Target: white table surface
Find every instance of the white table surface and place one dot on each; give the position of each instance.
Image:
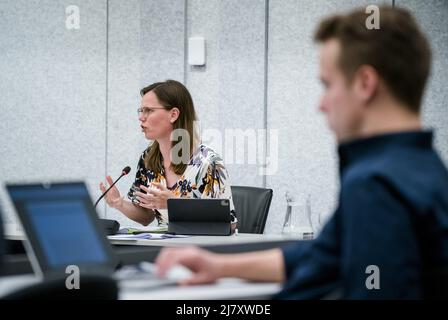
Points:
(205, 240)
(192, 240)
(228, 288)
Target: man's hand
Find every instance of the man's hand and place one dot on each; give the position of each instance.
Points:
(205, 265)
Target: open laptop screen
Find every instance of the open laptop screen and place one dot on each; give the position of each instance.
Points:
(65, 232)
(61, 225)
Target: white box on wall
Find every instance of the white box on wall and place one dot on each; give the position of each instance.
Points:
(196, 51)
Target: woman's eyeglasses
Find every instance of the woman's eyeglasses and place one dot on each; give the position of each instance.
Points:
(146, 111)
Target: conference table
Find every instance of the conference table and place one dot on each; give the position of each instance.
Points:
(18, 272)
(223, 289)
(241, 238)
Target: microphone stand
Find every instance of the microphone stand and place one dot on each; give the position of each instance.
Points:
(111, 226)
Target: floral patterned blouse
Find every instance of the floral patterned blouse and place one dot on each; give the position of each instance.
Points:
(204, 177)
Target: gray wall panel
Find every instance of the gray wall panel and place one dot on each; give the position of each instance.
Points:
(124, 141)
(162, 40)
(53, 92)
(146, 44)
(229, 91)
(307, 158)
(432, 16)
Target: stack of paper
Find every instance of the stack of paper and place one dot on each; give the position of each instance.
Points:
(147, 235)
(146, 230)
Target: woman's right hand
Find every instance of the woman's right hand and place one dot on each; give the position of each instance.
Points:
(113, 197)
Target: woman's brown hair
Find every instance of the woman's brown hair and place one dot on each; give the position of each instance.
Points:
(172, 94)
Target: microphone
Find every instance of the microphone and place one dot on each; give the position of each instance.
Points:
(124, 172)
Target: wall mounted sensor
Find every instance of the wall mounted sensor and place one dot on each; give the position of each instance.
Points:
(196, 51)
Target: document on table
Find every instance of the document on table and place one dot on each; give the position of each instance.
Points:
(147, 236)
(144, 230)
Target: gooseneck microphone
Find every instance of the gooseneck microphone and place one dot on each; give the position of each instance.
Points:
(124, 172)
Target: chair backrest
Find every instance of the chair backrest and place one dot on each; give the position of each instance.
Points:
(91, 287)
(251, 208)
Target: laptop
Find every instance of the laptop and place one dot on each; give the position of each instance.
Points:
(62, 228)
(199, 216)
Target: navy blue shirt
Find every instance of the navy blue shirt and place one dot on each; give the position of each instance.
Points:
(392, 213)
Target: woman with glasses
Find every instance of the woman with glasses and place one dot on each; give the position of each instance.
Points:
(175, 164)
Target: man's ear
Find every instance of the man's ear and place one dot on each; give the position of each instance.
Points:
(174, 114)
(366, 83)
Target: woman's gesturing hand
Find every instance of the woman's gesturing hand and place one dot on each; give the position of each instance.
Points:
(113, 197)
(155, 198)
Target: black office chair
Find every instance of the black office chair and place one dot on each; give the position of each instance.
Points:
(251, 208)
(91, 287)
